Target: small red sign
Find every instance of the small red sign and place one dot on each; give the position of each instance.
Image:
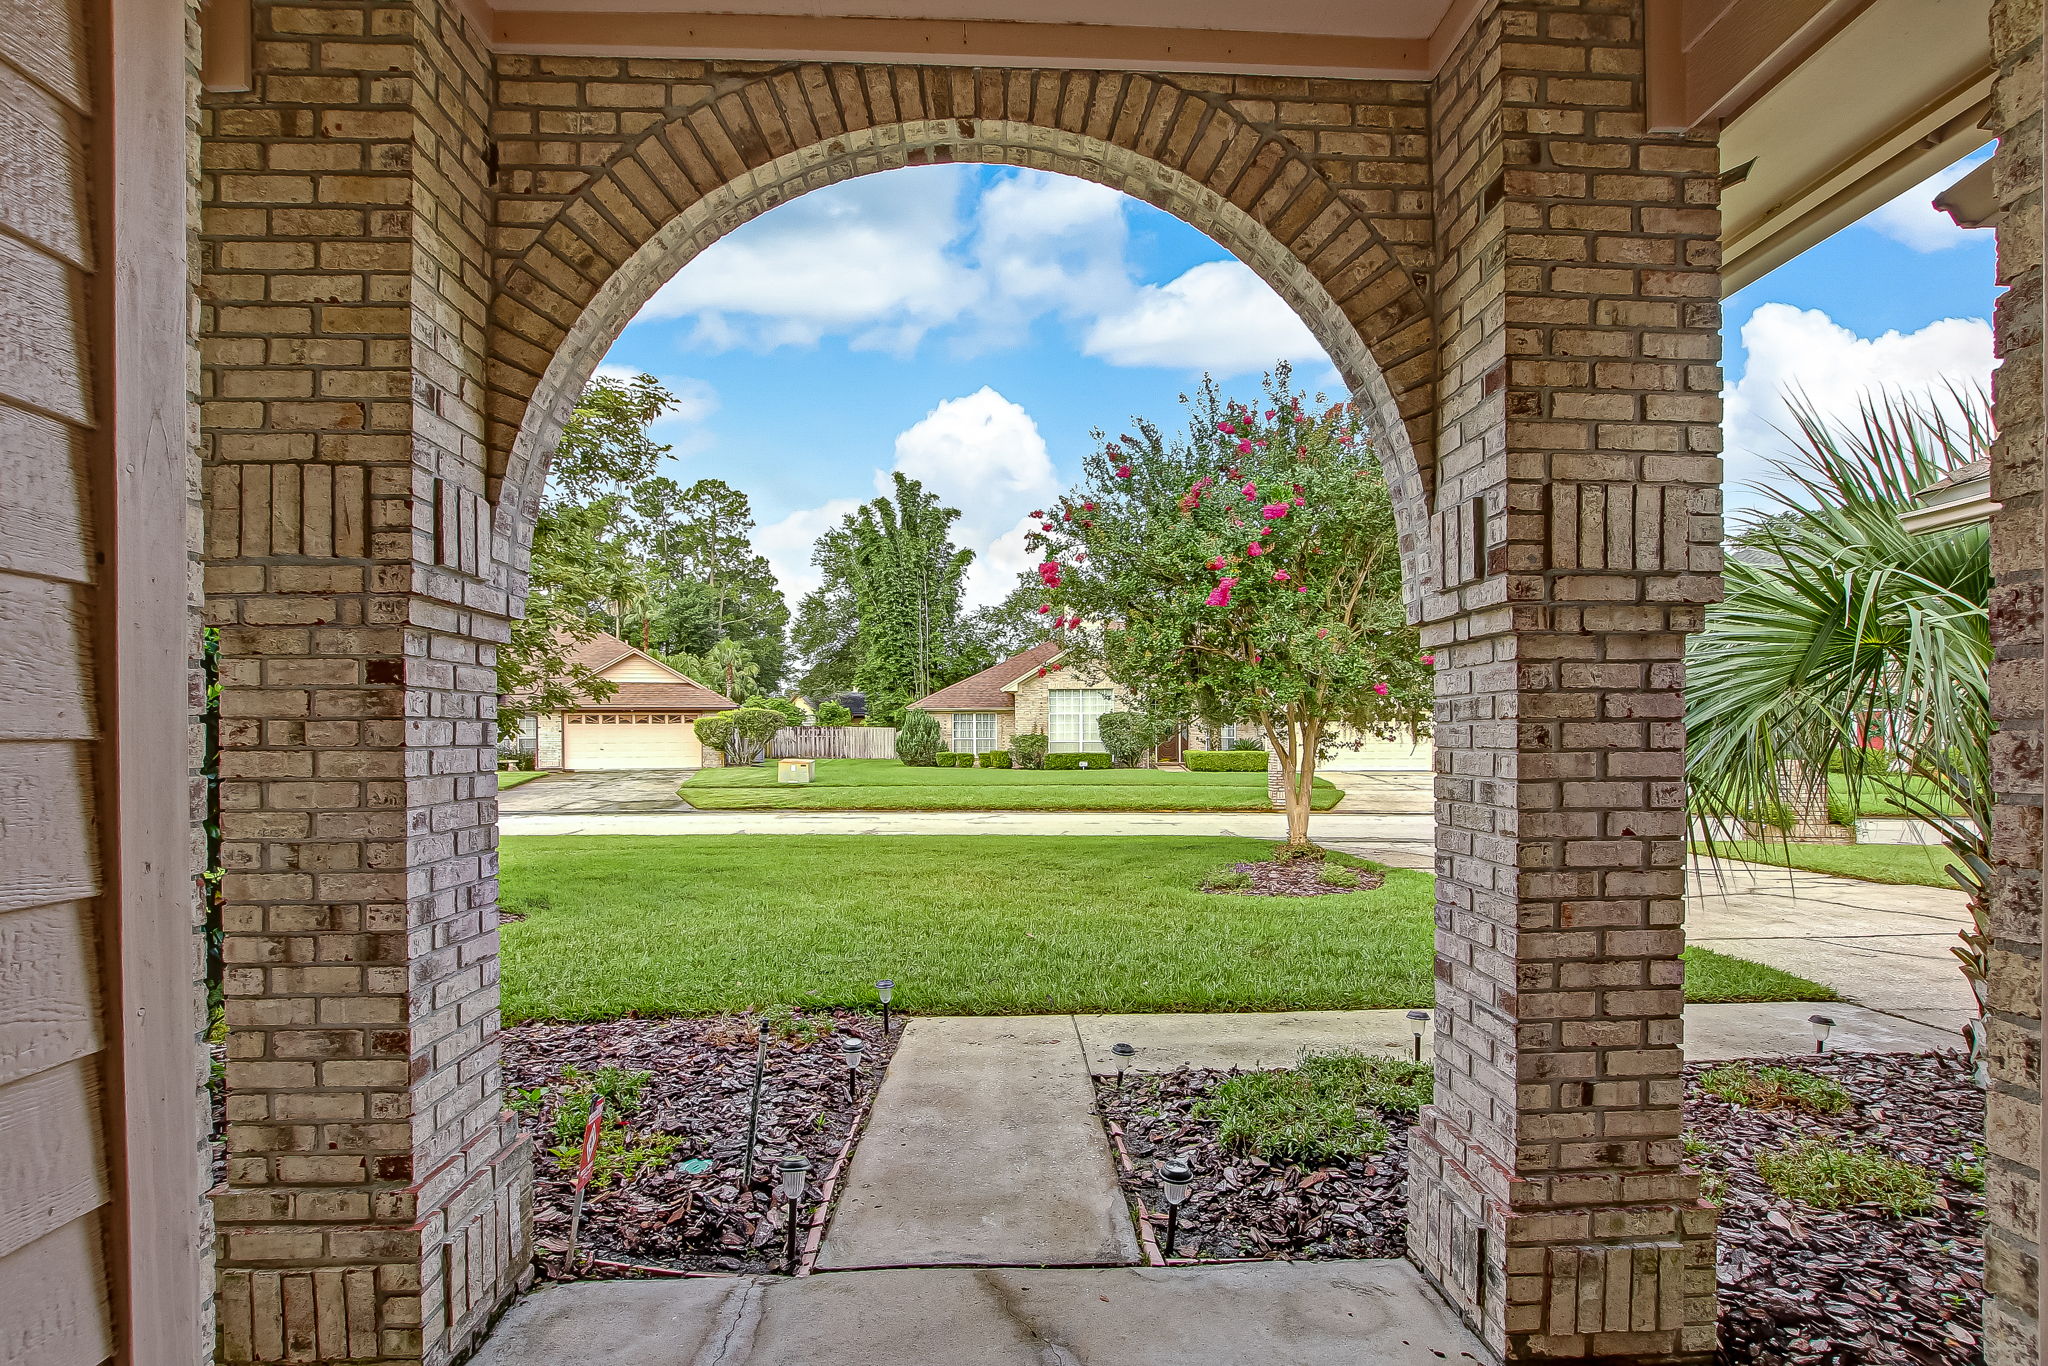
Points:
(588, 1163)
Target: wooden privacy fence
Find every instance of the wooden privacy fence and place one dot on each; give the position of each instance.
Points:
(835, 742)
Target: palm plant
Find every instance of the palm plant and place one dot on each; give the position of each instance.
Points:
(1839, 623)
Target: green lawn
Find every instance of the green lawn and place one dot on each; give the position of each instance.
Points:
(965, 924)
(1911, 865)
(508, 781)
(1878, 797)
(891, 785)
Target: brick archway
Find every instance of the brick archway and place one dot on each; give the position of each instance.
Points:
(572, 270)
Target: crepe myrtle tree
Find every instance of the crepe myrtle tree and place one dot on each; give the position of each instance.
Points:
(1246, 572)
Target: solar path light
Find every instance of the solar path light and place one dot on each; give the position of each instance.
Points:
(852, 1049)
(1417, 1020)
(1821, 1025)
(1123, 1053)
(790, 1174)
(885, 989)
(1176, 1179)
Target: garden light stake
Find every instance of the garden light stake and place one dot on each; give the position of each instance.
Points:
(1123, 1053)
(1416, 1020)
(1821, 1025)
(754, 1106)
(851, 1048)
(790, 1174)
(885, 989)
(1175, 1178)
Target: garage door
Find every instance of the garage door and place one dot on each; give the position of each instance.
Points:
(629, 739)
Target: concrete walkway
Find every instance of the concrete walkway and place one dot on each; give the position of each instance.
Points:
(1282, 1313)
(983, 1150)
(1881, 946)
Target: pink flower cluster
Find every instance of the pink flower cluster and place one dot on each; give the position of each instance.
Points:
(1220, 595)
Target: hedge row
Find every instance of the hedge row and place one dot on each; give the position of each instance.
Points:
(1225, 760)
(994, 758)
(1093, 761)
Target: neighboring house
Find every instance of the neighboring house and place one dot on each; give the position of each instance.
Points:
(1037, 692)
(645, 723)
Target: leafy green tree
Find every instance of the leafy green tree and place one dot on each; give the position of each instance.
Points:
(918, 739)
(583, 563)
(834, 714)
(1129, 736)
(705, 581)
(887, 618)
(791, 713)
(1248, 572)
(1842, 625)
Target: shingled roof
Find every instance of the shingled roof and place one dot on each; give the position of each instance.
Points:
(984, 691)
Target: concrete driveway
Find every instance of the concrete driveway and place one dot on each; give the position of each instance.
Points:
(597, 792)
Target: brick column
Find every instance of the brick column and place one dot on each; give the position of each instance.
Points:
(1575, 528)
(376, 1201)
(2013, 1103)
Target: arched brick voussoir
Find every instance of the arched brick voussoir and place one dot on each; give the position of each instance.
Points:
(760, 136)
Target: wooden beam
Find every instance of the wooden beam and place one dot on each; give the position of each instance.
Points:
(789, 37)
(1736, 49)
(141, 459)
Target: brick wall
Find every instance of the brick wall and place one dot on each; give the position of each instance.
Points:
(2013, 1168)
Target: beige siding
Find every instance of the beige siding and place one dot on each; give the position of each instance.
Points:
(54, 1176)
(638, 669)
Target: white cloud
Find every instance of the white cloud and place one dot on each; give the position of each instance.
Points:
(1912, 218)
(1217, 316)
(869, 258)
(984, 455)
(787, 544)
(1804, 350)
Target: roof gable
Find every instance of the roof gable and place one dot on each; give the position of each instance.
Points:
(989, 690)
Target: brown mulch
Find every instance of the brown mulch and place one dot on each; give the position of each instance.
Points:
(1799, 1286)
(1807, 1287)
(1245, 1206)
(703, 1071)
(1293, 877)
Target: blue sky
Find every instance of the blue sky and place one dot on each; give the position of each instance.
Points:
(969, 325)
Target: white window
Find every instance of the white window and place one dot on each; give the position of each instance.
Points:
(974, 732)
(1071, 714)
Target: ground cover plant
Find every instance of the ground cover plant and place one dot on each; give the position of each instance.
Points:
(1910, 865)
(964, 924)
(890, 785)
(1853, 1236)
(667, 1190)
(1849, 1238)
(1309, 1161)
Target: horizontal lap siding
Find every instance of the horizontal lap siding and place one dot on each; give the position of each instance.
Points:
(54, 1181)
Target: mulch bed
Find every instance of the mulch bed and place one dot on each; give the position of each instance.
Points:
(1244, 1206)
(703, 1074)
(1806, 1287)
(1799, 1286)
(1293, 877)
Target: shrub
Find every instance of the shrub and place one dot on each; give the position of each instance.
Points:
(1244, 745)
(834, 714)
(1225, 761)
(1129, 736)
(1775, 1088)
(944, 758)
(752, 729)
(1028, 751)
(714, 731)
(1337, 875)
(1094, 760)
(1323, 1108)
(1825, 1175)
(918, 739)
(996, 758)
